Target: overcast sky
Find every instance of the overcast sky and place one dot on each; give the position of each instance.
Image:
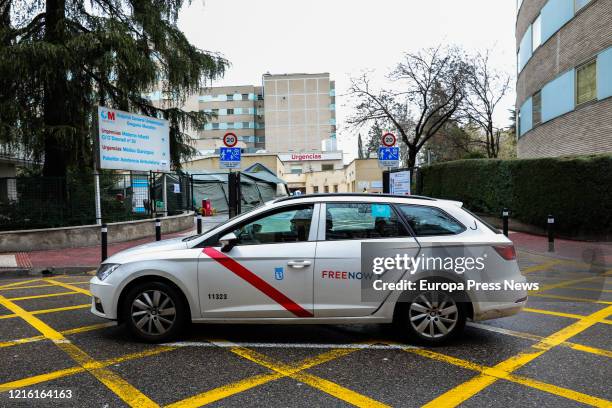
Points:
(345, 37)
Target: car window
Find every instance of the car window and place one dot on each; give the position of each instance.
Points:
(426, 221)
(285, 225)
(362, 220)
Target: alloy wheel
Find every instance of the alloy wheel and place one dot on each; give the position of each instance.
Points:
(153, 312)
(433, 314)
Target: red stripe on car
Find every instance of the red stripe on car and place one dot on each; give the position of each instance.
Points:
(257, 282)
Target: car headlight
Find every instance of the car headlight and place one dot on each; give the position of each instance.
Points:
(105, 270)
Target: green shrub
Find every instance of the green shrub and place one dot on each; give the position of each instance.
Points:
(577, 190)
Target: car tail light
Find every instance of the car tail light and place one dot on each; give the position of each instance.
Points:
(506, 251)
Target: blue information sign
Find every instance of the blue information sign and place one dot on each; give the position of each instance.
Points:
(388, 156)
(229, 157)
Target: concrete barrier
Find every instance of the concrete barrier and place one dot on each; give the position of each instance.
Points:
(89, 235)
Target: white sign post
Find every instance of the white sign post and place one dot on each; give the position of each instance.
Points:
(399, 182)
(128, 141)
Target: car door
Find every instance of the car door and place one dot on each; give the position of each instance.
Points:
(339, 279)
(268, 273)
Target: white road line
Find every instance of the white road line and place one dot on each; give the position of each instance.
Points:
(229, 344)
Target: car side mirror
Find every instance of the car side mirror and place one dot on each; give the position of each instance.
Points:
(228, 241)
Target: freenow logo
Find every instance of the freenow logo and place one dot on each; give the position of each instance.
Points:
(106, 115)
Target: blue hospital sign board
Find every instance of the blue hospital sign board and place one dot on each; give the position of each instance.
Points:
(128, 141)
(388, 156)
(229, 157)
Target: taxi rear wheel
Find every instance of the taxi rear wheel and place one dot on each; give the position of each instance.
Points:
(154, 312)
(432, 317)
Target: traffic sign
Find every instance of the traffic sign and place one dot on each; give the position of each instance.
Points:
(388, 139)
(388, 156)
(230, 139)
(229, 157)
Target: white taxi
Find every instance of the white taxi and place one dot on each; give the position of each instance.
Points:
(302, 259)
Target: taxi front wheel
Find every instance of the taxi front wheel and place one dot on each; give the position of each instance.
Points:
(154, 312)
(432, 317)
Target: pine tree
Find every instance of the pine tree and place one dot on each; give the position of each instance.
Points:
(360, 152)
(59, 59)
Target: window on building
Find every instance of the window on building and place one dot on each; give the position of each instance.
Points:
(362, 220)
(326, 189)
(230, 111)
(536, 33)
(260, 97)
(586, 82)
(334, 188)
(578, 4)
(215, 126)
(315, 189)
(215, 111)
(230, 125)
(245, 97)
(230, 97)
(518, 124)
(327, 167)
(245, 125)
(536, 108)
(296, 169)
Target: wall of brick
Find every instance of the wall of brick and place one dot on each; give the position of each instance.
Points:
(588, 33)
(586, 130)
(528, 12)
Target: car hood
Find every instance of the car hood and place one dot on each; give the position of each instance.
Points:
(164, 245)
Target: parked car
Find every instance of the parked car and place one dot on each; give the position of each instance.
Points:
(299, 260)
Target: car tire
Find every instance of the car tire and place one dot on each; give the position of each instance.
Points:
(154, 312)
(432, 317)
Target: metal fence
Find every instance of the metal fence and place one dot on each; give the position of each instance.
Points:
(47, 202)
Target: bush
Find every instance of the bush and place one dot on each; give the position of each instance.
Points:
(577, 190)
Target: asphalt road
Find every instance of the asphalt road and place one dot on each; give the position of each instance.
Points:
(54, 352)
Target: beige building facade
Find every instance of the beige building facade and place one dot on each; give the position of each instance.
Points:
(358, 176)
(288, 113)
(299, 111)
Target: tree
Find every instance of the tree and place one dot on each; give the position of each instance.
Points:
(59, 59)
(360, 151)
(429, 91)
(485, 89)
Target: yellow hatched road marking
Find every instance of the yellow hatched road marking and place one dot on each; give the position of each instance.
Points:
(571, 282)
(471, 387)
(113, 381)
(47, 295)
(46, 285)
(561, 314)
(535, 337)
(541, 267)
(69, 286)
(45, 311)
(590, 289)
(54, 375)
(573, 299)
(251, 382)
(10, 285)
(64, 332)
(501, 374)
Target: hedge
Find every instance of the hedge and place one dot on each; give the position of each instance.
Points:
(577, 190)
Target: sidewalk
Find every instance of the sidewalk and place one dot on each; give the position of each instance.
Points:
(599, 253)
(85, 258)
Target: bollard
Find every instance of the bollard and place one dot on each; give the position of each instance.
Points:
(157, 229)
(104, 242)
(199, 223)
(551, 233)
(505, 214)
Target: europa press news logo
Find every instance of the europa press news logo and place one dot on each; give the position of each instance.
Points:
(107, 115)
